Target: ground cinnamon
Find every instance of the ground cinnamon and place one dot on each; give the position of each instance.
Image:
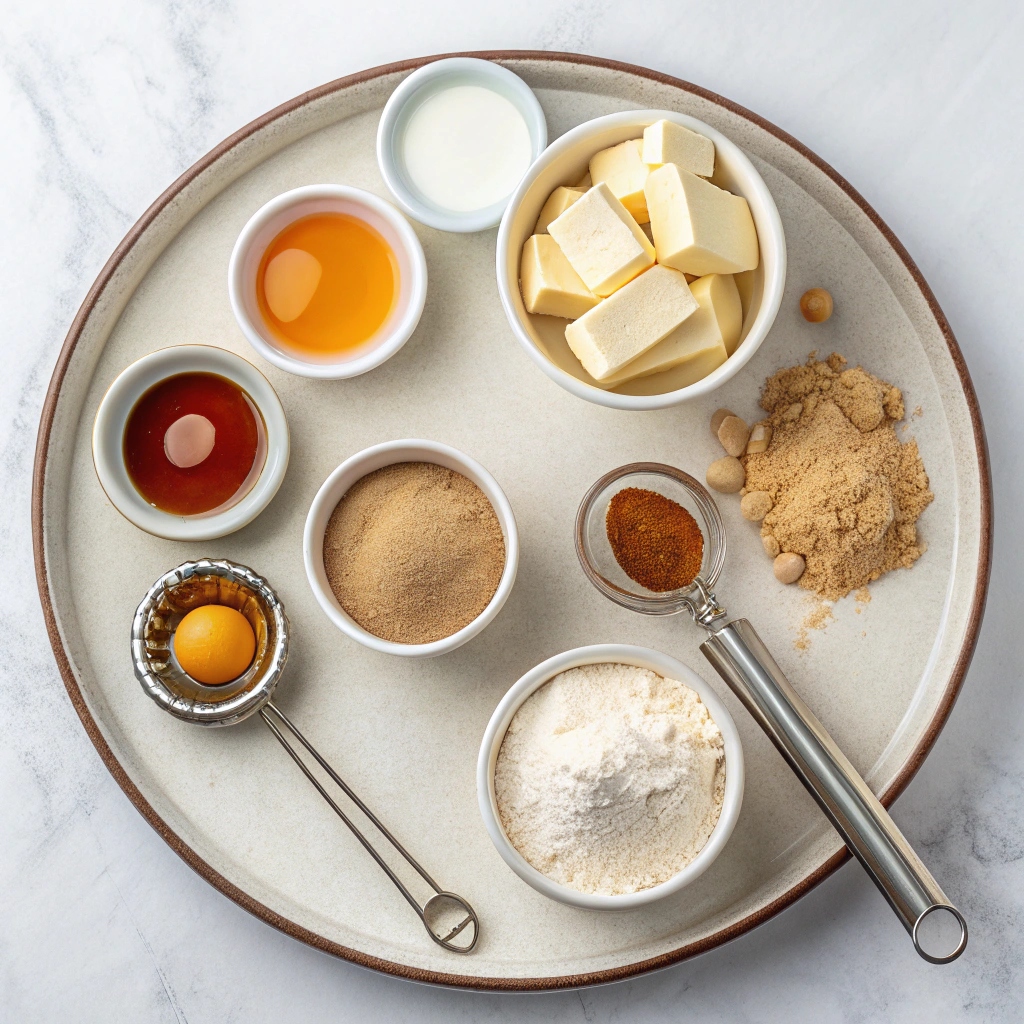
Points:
(656, 542)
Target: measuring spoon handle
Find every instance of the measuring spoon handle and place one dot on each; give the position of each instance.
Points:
(742, 660)
(446, 915)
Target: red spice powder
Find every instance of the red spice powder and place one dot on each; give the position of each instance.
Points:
(654, 539)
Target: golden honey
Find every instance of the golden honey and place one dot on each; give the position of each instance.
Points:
(326, 285)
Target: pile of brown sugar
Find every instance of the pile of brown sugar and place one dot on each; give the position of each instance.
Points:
(844, 491)
(414, 552)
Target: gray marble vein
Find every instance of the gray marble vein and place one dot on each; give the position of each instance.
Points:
(104, 104)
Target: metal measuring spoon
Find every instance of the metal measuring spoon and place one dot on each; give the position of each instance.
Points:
(450, 921)
(938, 929)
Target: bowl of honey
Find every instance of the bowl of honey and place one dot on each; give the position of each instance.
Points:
(327, 281)
(190, 443)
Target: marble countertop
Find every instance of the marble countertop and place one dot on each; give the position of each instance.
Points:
(104, 104)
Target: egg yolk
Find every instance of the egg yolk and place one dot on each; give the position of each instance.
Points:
(214, 644)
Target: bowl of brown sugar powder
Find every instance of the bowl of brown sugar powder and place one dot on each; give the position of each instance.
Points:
(411, 548)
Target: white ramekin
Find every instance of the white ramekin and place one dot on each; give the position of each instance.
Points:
(355, 468)
(565, 161)
(270, 220)
(108, 441)
(622, 654)
(419, 86)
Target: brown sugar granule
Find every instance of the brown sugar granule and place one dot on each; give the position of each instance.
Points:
(818, 617)
(414, 552)
(846, 493)
(657, 543)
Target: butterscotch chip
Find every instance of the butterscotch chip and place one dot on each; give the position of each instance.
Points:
(760, 438)
(755, 505)
(788, 567)
(816, 305)
(770, 545)
(733, 434)
(716, 420)
(726, 475)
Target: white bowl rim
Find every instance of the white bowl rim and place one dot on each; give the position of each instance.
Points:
(627, 654)
(771, 296)
(112, 415)
(406, 450)
(384, 348)
(485, 71)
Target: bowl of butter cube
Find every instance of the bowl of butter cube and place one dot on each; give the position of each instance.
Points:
(641, 261)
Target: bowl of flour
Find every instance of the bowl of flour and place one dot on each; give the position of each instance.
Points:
(610, 776)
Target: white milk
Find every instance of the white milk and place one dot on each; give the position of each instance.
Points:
(466, 148)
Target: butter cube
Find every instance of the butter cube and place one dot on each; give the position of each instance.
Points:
(623, 170)
(711, 334)
(585, 182)
(698, 227)
(631, 321)
(693, 370)
(549, 284)
(666, 142)
(558, 202)
(745, 286)
(605, 246)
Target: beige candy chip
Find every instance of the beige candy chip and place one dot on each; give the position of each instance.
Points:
(726, 475)
(549, 284)
(698, 227)
(707, 338)
(623, 170)
(557, 203)
(601, 241)
(631, 321)
(666, 142)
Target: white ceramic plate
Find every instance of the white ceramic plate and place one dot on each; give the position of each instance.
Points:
(405, 733)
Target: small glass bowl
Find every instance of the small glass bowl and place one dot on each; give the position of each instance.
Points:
(595, 552)
(168, 601)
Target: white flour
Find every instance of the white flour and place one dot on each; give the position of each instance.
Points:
(610, 778)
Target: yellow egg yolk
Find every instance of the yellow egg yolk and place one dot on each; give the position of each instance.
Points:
(214, 644)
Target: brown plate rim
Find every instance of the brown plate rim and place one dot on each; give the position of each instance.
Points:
(311, 938)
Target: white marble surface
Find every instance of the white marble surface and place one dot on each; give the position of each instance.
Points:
(104, 104)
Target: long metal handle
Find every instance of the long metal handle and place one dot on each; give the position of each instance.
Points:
(445, 915)
(938, 929)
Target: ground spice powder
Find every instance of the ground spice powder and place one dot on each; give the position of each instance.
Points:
(414, 552)
(845, 492)
(656, 542)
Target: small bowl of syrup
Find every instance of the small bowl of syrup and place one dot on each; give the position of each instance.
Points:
(190, 443)
(327, 281)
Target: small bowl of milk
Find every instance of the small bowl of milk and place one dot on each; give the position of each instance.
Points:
(455, 139)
